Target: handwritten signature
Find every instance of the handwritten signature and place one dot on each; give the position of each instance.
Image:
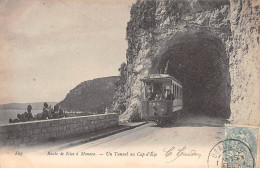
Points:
(174, 153)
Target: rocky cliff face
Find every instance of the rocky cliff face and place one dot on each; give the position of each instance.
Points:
(91, 96)
(200, 42)
(244, 59)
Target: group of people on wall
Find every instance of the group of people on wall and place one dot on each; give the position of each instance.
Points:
(47, 113)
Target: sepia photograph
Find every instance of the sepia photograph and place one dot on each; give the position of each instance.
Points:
(129, 84)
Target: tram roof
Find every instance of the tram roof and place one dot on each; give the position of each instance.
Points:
(154, 77)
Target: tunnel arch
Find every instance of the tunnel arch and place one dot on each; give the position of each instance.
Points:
(200, 62)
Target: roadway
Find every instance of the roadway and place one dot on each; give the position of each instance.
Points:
(184, 143)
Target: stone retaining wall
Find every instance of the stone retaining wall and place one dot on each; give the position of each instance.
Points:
(46, 130)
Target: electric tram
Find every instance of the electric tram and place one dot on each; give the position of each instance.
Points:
(161, 98)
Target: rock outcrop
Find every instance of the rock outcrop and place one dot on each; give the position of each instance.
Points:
(208, 46)
(91, 96)
(244, 61)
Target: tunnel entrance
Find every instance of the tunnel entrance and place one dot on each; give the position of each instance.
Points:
(199, 61)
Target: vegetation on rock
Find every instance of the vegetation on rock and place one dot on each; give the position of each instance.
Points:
(119, 104)
(91, 96)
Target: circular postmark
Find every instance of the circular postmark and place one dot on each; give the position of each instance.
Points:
(231, 153)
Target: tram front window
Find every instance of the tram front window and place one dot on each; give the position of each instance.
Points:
(158, 91)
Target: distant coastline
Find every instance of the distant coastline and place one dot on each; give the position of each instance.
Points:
(5, 115)
(23, 106)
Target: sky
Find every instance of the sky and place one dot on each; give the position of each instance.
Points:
(47, 47)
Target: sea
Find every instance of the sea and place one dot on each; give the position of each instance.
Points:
(5, 115)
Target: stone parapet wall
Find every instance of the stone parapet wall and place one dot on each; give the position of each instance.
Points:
(46, 130)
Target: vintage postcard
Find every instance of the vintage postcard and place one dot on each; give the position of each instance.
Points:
(129, 83)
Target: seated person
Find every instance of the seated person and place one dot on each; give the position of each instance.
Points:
(150, 94)
(39, 116)
(28, 115)
(158, 97)
(55, 112)
(45, 111)
(14, 120)
(61, 113)
(168, 95)
(21, 117)
(58, 112)
(50, 110)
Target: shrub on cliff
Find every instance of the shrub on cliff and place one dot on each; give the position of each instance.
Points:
(119, 103)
